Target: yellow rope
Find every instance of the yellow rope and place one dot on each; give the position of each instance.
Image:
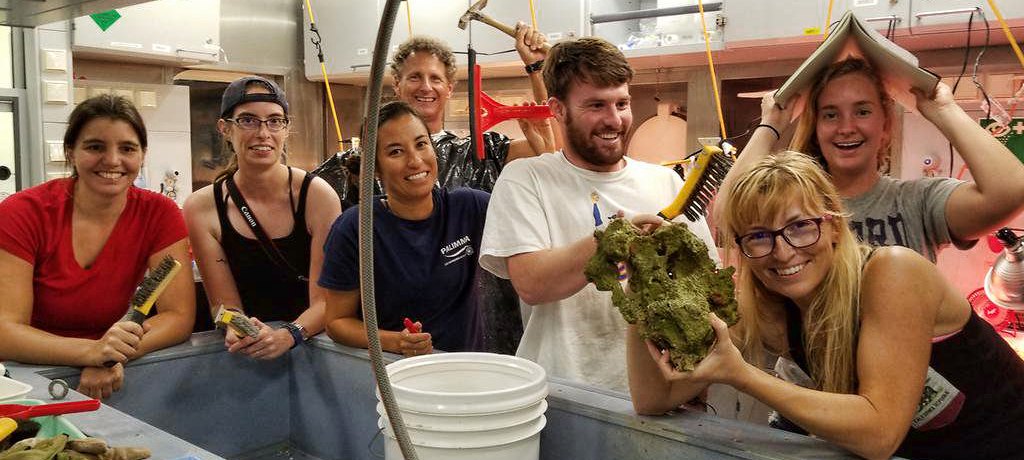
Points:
(711, 66)
(828, 19)
(533, 15)
(1006, 29)
(327, 86)
(408, 16)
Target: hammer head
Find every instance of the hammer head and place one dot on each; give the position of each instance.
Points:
(471, 13)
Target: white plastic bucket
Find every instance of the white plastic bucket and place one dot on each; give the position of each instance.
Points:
(468, 406)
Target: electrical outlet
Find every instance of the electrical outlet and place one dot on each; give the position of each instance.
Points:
(55, 92)
(146, 99)
(126, 93)
(81, 94)
(55, 60)
(55, 151)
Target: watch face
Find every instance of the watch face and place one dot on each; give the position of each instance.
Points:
(298, 327)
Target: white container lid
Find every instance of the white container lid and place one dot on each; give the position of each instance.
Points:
(10, 388)
(466, 383)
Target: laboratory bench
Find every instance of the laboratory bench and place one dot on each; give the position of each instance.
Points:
(318, 402)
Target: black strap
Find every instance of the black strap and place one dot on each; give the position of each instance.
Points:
(794, 331)
(268, 246)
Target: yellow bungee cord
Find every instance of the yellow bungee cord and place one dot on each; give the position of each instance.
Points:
(828, 20)
(1006, 30)
(408, 16)
(323, 69)
(711, 67)
(533, 16)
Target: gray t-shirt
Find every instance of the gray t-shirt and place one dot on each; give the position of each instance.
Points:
(910, 213)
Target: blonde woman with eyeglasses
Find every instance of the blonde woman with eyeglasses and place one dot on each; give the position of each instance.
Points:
(258, 232)
(890, 357)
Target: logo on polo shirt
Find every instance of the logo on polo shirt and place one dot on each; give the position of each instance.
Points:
(456, 250)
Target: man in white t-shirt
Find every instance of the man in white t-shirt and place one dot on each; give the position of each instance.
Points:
(543, 212)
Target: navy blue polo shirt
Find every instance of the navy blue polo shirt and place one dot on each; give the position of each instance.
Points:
(424, 270)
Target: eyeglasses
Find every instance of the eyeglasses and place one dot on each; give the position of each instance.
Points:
(252, 123)
(799, 234)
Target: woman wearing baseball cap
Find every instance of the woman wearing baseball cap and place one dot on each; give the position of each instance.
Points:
(258, 231)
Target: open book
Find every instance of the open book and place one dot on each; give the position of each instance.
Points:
(852, 37)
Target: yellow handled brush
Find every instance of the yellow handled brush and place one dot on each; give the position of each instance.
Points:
(152, 285)
(240, 324)
(701, 184)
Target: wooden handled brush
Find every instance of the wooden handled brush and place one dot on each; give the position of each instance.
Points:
(152, 285)
(701, 184)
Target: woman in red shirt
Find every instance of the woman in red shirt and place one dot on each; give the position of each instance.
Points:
(73, 250)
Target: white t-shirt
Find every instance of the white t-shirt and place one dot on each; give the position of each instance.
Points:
(545, 202)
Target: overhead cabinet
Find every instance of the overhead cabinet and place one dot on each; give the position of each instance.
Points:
(348, 30)
(179, 31)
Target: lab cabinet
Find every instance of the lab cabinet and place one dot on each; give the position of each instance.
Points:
(557, 19)
(348, 29)
(772, 20)
(651, 27)
(180, 31)
(954, 14)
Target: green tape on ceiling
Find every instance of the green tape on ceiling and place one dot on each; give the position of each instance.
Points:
(105, 19)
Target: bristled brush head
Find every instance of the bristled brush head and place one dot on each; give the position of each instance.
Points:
(708, 181)
(153, 284)
(240, 324)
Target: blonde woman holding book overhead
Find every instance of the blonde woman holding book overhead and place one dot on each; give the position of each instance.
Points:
(847, 124)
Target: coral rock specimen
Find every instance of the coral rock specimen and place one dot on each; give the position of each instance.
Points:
(673, 284)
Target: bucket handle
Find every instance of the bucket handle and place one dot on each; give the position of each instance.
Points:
(369, 446)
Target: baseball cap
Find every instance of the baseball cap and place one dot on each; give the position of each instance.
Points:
(235, 94)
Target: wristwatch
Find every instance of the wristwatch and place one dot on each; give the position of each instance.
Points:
(535, 67)
(298, 333)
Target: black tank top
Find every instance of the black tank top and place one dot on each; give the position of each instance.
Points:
(990, 375)
(268, 291)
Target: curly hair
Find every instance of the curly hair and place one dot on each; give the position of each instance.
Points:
(588, 59)
(431, 45)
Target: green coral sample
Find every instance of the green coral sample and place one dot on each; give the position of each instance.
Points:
(673, 284)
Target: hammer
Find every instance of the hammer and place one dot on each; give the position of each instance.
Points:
(474, 13)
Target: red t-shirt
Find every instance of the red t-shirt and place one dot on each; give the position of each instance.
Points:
(68, 300)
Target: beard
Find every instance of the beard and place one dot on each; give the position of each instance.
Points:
(582, 143)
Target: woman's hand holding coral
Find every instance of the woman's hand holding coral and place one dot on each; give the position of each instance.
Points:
(721, 365)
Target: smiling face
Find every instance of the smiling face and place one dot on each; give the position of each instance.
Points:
(259, 146)
(851, 126)
(424, 84)
(107, 156)
(596, 122)
(406, 162)
(793, 272)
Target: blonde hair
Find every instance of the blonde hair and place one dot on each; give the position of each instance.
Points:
(805, 137)
(831, 323)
